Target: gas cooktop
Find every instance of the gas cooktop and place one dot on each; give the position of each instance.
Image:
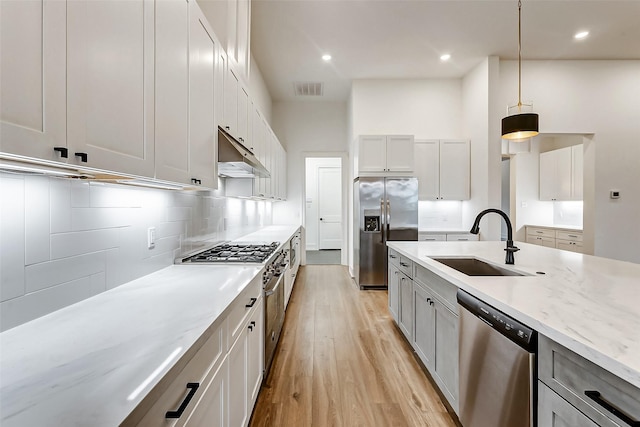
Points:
(251, 253)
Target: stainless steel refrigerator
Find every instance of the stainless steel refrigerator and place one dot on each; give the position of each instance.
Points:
(384, 209)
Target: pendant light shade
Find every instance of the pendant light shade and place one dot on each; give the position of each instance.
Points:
(520, 125)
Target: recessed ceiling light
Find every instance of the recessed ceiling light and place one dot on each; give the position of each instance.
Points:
(326, 57)
(445, 57)
(581, 35)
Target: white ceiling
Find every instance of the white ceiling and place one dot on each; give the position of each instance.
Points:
(404, 39)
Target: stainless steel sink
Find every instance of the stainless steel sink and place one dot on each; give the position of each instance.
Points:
(475, 267)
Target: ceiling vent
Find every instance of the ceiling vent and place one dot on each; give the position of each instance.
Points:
(308, 88)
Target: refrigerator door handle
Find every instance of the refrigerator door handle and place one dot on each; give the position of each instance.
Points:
(382, 218)
(388, 218)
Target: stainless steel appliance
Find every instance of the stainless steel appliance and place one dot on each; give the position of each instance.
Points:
(275, 265)
(273, 285)
(385, 209)
(497, 376)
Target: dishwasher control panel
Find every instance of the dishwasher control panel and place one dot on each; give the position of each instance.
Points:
(517, 332)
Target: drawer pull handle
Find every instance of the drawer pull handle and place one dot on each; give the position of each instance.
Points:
(597, 397)
(64, 152)
(572, 235)
(83, 157)
(404, 264)
(251, 303)
(192, 390)
(393, 256)
(251, 325)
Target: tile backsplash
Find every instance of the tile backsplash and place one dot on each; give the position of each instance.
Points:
(65, 240)
(440, 215)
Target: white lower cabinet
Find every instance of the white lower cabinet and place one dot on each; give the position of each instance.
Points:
(219, 384)
(393, 289)
(406, 306)
(424, 333)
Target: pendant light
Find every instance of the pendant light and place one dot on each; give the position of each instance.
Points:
(520, 125)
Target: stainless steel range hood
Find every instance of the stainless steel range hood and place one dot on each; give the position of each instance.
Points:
(237, 161)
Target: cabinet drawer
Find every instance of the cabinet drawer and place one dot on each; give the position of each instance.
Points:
(587, 386)
(394, 257)
(541, 232)
(462, 237)
(205, 360)
(432, 237)
(442, 289)
(406, 266)
(541, 241)
(574, 236)
(554, 411)
(568, 245)
(242, 306)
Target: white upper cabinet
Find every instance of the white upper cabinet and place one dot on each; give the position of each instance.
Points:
(33, 78)
(243, 117)
(561, 174)
(239, 36)
(186, 90)
(172, 90)
(203, 156)
(443, 169)
(110, 85)
(236, 108)
(385, 153)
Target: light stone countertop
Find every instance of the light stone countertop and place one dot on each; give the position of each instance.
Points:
(556, 227)
(80, 365)
(442, 231)
(587, 304)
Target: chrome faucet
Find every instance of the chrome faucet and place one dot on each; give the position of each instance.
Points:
(510, 249)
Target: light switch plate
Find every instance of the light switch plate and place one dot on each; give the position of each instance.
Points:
(151, 237)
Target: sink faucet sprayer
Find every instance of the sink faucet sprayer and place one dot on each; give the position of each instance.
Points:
(475, 229)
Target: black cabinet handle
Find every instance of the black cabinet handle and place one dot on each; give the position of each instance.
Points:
(404, 264)
(83, 157)
(431, 302)
(428, 299)
(251, 325)
(196, 181)
(64, 152)
(192, 390)
(393, 256)
(597, 397)
(227, 127)
(252, 301)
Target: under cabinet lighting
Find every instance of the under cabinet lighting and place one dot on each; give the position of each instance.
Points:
(23, 168)
(445, 57)
(326, 57)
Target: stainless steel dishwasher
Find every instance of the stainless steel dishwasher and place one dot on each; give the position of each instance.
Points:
(497, 367)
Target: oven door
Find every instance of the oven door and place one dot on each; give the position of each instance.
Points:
(274, 318)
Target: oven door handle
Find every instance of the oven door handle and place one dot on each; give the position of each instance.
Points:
(273, 290)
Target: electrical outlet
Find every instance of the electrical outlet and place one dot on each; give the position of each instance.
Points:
(151, 237)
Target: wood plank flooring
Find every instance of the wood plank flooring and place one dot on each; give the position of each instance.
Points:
(342, 362)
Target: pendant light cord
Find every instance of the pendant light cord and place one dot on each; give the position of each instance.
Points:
(519, 57)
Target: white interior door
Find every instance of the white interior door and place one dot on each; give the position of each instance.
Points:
(329, 208)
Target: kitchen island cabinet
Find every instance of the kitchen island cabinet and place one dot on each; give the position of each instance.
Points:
(582, 305)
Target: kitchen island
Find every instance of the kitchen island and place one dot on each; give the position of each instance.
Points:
(586, 304)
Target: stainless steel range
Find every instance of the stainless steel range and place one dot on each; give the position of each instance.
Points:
(275, 264)
(250, 253)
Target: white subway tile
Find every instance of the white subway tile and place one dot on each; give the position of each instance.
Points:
(114, 268)
(114, 196)
(80, 194)
(36, 219)
(60, 199)
(65, 245)
(11, 236)
(83, 219)
(31, 306)
(180, 214)
(166, 229)
(52, 273)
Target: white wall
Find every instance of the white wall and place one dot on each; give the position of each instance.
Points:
(427, 108)
(64, 240)
(598, 97)
(482, 127)
(308, 128)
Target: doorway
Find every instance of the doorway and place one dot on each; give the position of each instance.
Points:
(323, 210)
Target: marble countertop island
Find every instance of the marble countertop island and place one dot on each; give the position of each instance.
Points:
(585, 303)
(92, 363)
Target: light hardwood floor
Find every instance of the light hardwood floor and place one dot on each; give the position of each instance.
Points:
(342, 362)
